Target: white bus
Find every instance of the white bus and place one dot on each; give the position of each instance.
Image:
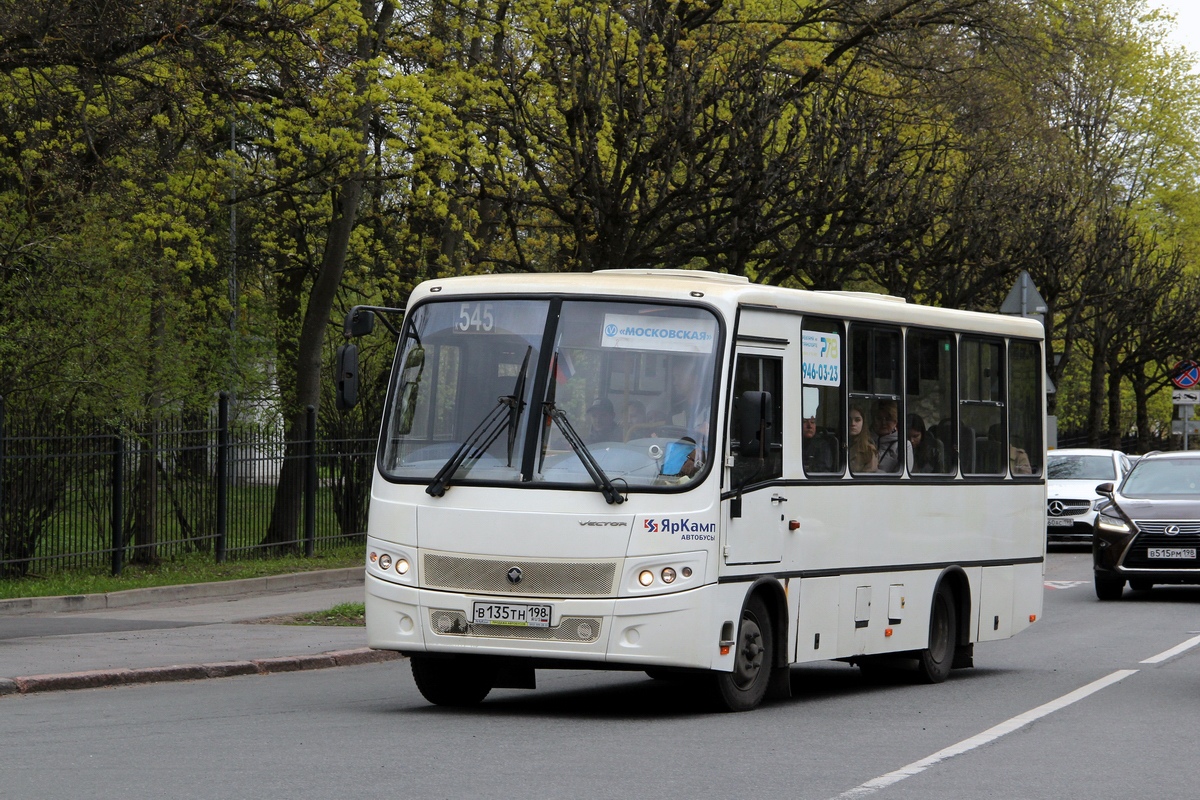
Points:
(685, 473)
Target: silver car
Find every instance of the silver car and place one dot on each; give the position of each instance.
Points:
(1071, 478)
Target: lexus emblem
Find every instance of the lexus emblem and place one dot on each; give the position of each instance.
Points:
(1057, 507)
(514, 575)
(1171, 530)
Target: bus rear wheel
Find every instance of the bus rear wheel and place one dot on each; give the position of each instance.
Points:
(754, 654)
(453, 681)
(935, 661)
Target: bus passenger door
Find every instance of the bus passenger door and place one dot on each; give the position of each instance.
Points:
(756, 512)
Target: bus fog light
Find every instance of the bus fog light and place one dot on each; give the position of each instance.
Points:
(687, 572)
(374, 557)
(385, 561)
(668, 575)
(646, 577)
(402, 566)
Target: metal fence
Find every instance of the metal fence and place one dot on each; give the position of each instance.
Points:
(75, 494)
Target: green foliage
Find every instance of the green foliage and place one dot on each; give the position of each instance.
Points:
(346, 615)
(191, 195)
(192, 568)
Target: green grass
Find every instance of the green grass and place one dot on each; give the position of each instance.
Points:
(345, 615)
(190, 568)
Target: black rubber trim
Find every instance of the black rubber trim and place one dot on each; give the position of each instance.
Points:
(893, 480)
(929, 567)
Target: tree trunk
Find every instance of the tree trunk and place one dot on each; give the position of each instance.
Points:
(1114, 403)
(283, 532)
(1097, 386)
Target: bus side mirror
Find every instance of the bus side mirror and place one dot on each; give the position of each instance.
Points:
(347, 377)
(359, 322)
(754, 419)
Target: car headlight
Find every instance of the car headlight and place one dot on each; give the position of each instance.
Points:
(1109, 521)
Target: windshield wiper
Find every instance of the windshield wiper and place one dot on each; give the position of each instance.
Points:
(516, 405)
(485, 432)
(611, 495)
(505, 414)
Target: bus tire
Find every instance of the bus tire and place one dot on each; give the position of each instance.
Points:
(754, 653)
(935, 661)
(1108, 587)
(455, 682)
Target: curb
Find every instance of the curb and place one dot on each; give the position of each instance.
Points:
(191, 591)
(93, 679)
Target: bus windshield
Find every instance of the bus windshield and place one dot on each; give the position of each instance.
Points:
(550, 391)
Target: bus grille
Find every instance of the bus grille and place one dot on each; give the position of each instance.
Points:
(540, 578)
(569, 629)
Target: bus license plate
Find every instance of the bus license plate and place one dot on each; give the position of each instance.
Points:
(1059, 522)
(518, 614)
(1172, 552)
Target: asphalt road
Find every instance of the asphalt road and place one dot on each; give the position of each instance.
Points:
(1090, 702)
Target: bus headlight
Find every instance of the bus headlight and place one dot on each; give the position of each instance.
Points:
(396, 566)
(669, 572)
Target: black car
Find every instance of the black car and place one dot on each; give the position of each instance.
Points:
(1149, 530)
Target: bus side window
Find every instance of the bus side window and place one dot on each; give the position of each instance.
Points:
(822, 401)
(758, 374)
(875, 394)
(1025, 400)
(929, 424)
(981, 404)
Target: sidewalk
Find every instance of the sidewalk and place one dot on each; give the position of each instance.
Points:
(178, 633)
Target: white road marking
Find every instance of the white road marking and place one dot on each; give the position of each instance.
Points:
(1065, 584)
(1174, 651)
(991, 734)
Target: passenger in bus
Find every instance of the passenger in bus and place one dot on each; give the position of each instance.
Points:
(964, 453)
(887, 436)
(864, 457)
(1018, 459)
(690, 399)
(684, 410)
(635, 415)
(602, 422)
(925, 454)
(682, 459)
(818, 449)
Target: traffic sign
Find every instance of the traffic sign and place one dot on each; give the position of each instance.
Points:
(1184, 397)
(1186, 374)
(1193, 426)
(1023, 298)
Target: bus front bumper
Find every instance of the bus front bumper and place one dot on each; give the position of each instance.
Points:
(672, 630)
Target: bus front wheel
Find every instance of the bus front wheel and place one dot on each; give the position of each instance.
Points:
(453, 681)
(744, 688)
(934, 662)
